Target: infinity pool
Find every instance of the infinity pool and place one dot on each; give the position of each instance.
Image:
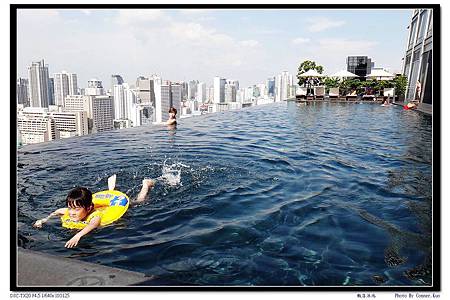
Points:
(325, 194)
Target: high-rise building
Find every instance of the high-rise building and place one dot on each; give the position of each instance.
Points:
(73, 83)
(78, 103)
(230, 93)
(210, 94)
(141, 114)
(146, 89)
(262, 90)
(38, 84)
(130, 99)
(103, 113)
(359, 65)
(270, 83)
(22, 92)
(184, 90)
(233, 82)
(201, 92)
(35, 125)
(61, 81)
(51, 91)
(176, 95)
(162, 101)
(192, 89)
(94, 88)
(116, 80)
(219, 89)
(418, 60)
(71, 124)
(119, 102)
(283, 84)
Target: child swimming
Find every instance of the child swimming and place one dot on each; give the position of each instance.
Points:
(80, 208)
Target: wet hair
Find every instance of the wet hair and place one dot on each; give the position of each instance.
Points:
(79, 197)
(173, 110)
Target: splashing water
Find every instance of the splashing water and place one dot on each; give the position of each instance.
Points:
(171, 174)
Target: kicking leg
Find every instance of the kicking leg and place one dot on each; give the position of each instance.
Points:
(147, 185)
(112, 182)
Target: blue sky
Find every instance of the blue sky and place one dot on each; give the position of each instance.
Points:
(248, 45)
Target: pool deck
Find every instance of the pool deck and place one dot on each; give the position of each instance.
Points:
(35, 269)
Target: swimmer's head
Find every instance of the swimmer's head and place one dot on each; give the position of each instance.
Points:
(173, 111)
(79, 203)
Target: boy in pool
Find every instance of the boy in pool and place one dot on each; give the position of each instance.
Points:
(81, 208)
(172, 116)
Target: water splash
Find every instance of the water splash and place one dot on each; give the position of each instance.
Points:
(171, 174)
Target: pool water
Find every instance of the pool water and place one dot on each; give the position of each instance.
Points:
(326, 194)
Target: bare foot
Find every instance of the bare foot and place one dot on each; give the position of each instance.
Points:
(148, 183)
(112, 182)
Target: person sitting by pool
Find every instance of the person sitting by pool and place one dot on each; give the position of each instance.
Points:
(385, 102)
(172, 116)
(81, 208)
(409, 106)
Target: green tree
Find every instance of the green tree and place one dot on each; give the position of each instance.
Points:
(352, 84)
(305, 67)
(331, 82)
(400, 82)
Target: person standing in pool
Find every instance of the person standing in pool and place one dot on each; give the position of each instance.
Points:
(80, 208)
(172, 116)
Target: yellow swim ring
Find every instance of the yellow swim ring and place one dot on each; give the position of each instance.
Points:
(109, 205)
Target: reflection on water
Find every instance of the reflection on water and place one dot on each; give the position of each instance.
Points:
(281, 194)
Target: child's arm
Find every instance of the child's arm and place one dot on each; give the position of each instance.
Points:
(73, 242)
(58, 212)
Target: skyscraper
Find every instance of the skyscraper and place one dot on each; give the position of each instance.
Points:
(103, 113)
(192, 89)
(230, 93)
(61, 81)
(94, 88)
(22, 92)
(73, 83)
(39, 84)
(219, 89)
(418, 60)
(283, 84)
(36, 126)
(51, 91)
(116, 79)
(119, 101)
(359, 65)
(270, 84)
(145, 89)
(233, 82)
(201, 92)
(176, 95)
(162, 100)
(130, 99)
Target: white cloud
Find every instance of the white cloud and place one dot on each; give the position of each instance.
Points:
(351, 47)
(195, 11)
(300, 40)
(136, 16)
(249, 43)
(322, 23)
(87, 12)
(199, 34)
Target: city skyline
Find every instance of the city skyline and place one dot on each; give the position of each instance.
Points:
(246, 45)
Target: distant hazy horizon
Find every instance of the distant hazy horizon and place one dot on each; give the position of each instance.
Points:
(246, 45)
